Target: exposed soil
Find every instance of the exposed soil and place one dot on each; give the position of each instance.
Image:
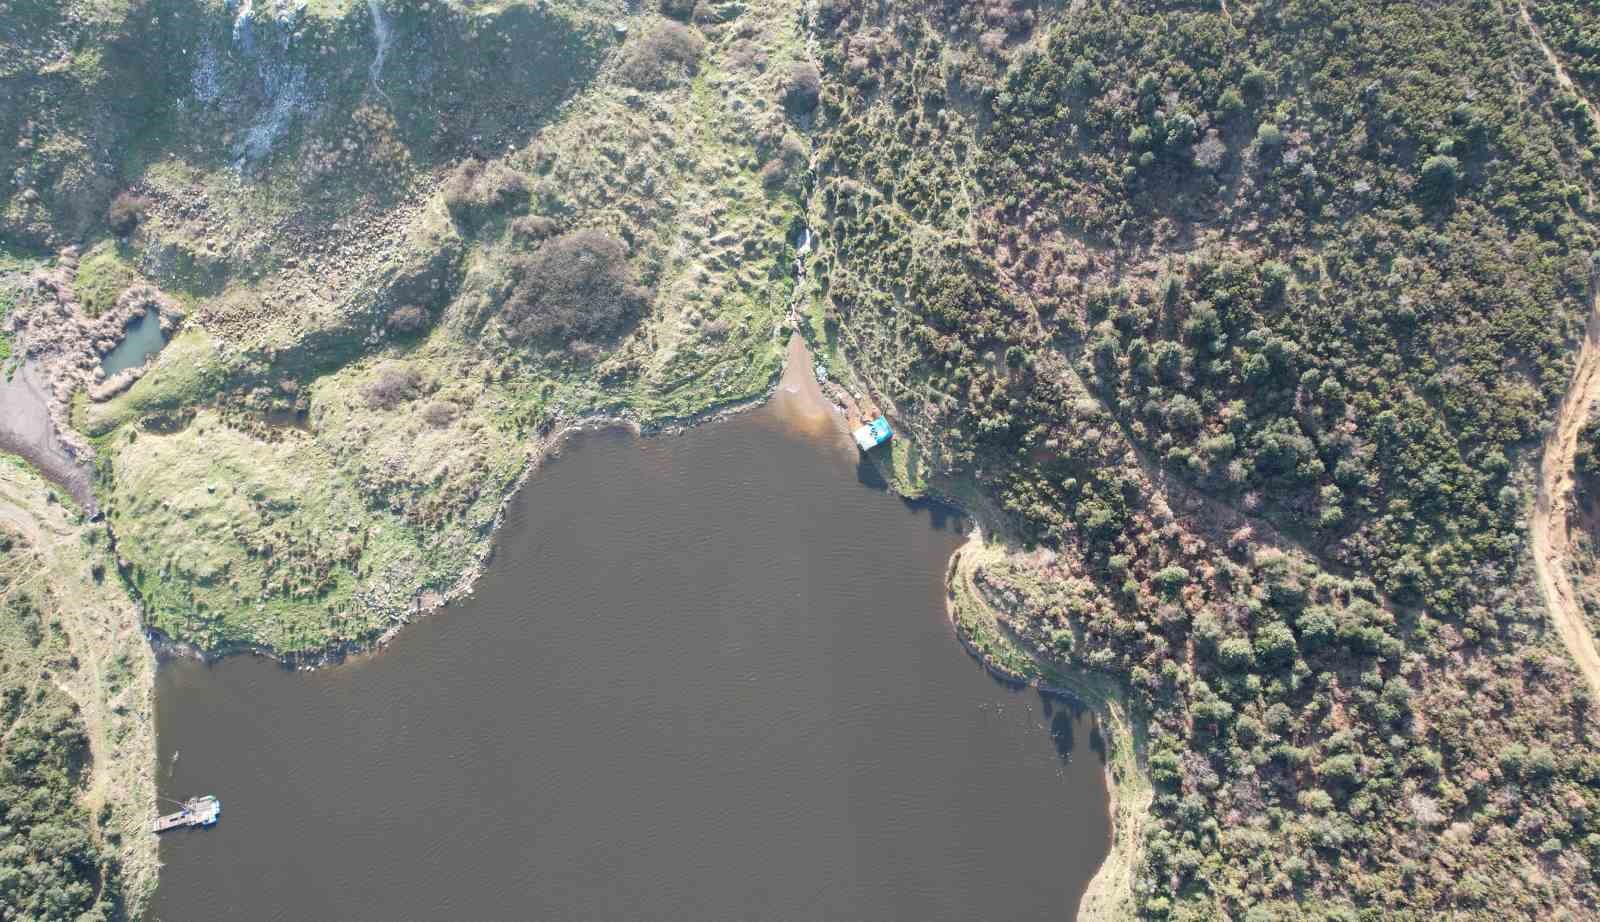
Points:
(799, 400)
(1552, 509)
(26, 429)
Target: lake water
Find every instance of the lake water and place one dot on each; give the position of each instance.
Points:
(706, 677)
(143, 338)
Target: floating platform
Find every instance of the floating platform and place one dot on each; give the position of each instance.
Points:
(201, 811)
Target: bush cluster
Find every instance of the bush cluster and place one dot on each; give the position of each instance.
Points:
(661, 56)
(394, 383)
(576, 285)
(127, 210)
(803, 90)
(476, 191)
(1225, 281)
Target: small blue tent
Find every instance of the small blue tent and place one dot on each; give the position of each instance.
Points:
(873, 434)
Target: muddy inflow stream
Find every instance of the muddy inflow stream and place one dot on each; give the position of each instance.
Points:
(706, 676)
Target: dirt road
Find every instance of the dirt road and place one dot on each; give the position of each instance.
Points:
(1552, 507)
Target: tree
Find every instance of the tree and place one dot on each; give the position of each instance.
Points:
(803, 90)
(1440, 174)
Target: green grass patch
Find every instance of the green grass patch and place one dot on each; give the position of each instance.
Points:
(188, 371)
(8, 303)
(908, 475)
(103, 274)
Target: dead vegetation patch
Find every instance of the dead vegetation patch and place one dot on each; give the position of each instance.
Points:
(666, 54)
(395, 383)
(577, 285)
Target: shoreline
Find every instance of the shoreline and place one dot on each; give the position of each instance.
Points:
(1109, 894)
(425, 601)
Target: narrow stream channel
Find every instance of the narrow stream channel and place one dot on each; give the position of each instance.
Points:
(705, 677)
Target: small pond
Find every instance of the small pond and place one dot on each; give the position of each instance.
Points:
(143, 338)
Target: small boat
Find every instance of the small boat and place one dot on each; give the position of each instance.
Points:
(198, 811)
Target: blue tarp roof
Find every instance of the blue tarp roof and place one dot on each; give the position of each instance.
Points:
(873, 434)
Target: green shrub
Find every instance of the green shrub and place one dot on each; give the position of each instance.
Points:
(1440, 173)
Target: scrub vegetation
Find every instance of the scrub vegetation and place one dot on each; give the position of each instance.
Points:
(77, 750)
(1242, 327)
(1253, 317)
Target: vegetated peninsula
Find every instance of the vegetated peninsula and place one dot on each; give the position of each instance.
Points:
(1258, 336)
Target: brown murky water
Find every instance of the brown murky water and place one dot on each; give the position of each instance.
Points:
(706, 677)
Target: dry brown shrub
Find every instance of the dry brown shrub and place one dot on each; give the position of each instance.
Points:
(408, 318)
(125, 213)
(440, 413)
(474, 190)
(774, 174)
(793, 150)
(584, 351)
(666, 54)
(534, 228)
(678, 9)
(577, 285)
(804, 88)
(394, 383)
(747, 56)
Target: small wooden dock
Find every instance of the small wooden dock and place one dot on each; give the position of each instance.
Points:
(201, 811)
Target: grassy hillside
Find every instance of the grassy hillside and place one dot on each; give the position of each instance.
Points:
(378, 219)
(408, 242)
(77, 764)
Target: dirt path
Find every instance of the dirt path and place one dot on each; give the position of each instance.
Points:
(112, 678)
(1552, 507)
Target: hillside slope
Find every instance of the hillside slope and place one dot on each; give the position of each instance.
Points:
(77, 743)
(1254, 318)
(1252, 333)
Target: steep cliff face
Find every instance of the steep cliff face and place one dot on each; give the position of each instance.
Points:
(97, 93)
